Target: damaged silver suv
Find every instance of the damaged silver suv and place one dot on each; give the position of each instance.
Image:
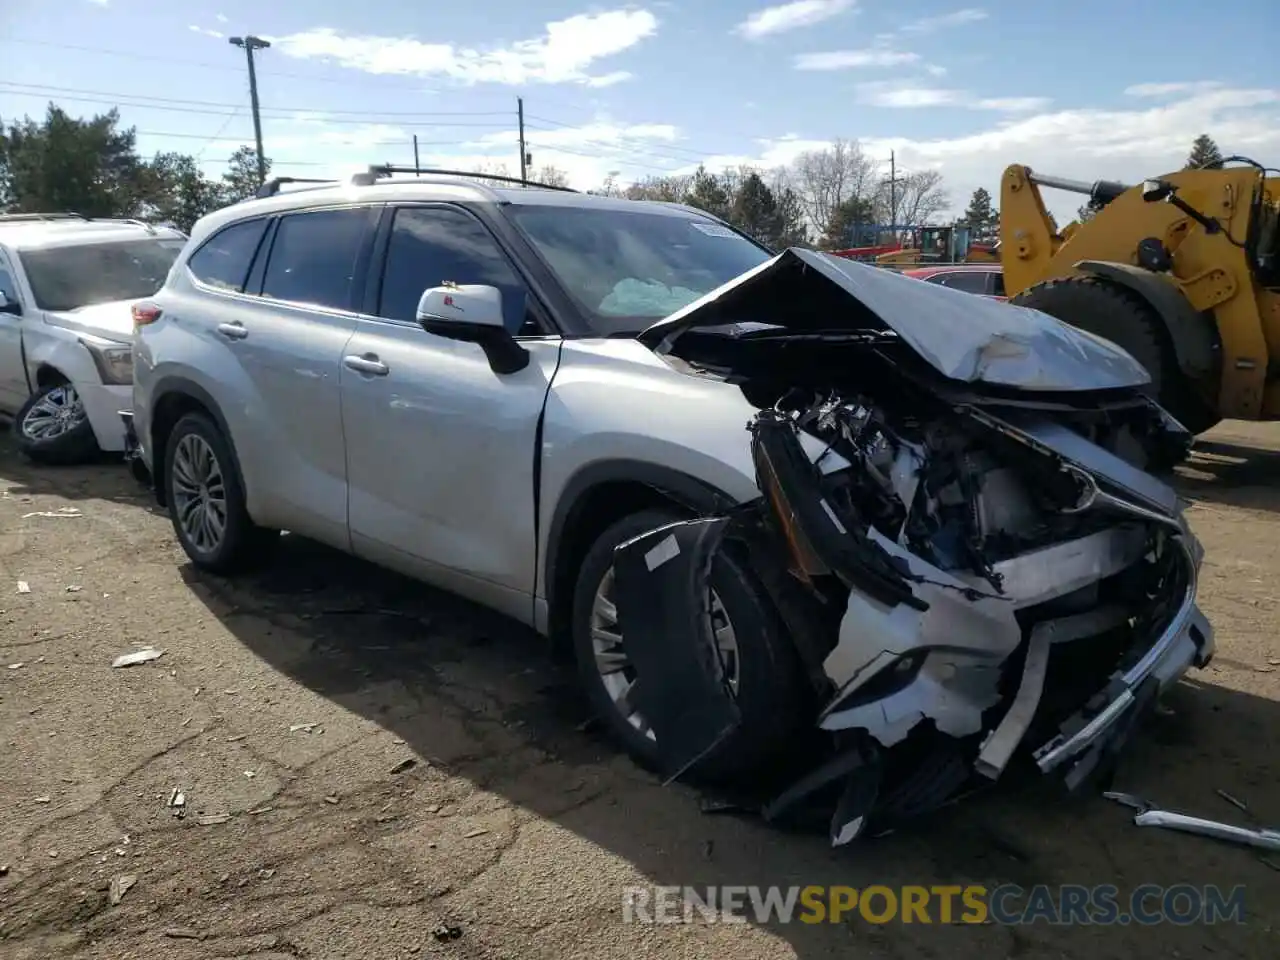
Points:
(769, 499)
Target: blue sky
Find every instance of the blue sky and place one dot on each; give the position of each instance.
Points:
(1085, 89)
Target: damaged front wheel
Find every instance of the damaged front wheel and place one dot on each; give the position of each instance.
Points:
(759, 662)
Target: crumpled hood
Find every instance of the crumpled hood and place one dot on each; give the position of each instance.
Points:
(112, 321)
(967, 338)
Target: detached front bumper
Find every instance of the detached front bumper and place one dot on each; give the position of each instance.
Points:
(102, 403)
(133, 449)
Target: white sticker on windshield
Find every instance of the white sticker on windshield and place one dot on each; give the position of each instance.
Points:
(712, 229)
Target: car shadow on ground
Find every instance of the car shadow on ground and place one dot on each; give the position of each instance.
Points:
(483, 700)
(1232, 474)
(107, 478)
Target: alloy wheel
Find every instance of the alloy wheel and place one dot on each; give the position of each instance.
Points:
(615, 669)
(54, 415)
(199, 493)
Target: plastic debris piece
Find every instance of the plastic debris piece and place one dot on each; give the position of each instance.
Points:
(478, 832)
(183, 933)
(56, 514)
(304, 727)
(212, 819)
(145, 655)
(24, 587)
(17, 666)
(404, 765)
(1238, 804)
(120, 886)
(330, 799)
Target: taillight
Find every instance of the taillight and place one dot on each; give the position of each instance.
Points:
(145, 313)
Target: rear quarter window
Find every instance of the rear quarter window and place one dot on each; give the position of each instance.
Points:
(223, 261)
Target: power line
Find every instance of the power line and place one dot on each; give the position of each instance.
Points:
(141, 101)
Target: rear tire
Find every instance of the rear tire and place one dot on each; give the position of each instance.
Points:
(52, 428)
(1112, 312)
(206, 500)
(771, 692)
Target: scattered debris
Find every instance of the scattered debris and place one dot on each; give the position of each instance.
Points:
(212, 819)
(183, 933)
(477, 832)
(330, 799)
(58, 514)
(266, 873)
(431, 808)
(73, 588)
(250, 774)
(4, 869)
(1149, 815)
(236, 739)
(1274, 661)
(446, 931)
(16, 666)
(260, 810)
(404, 765)
(24, 587)
(304, 727)
(44, 800)
(53, 854)
(1238, 804)
(120, 885)
(145, 655)
(185, 722)
(178, 802)
(398, 742)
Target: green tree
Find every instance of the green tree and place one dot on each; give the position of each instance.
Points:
(177, 191)
(707, 192)
(1204, 153)
(241, 180)
(64, 164)
(754, 209)
(981, 215)
(792, 230)
(844, 218)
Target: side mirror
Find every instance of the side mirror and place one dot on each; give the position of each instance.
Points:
(11, 307)
(472, 313)
(1153, 191)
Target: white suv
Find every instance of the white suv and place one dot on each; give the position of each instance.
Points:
(66, 287)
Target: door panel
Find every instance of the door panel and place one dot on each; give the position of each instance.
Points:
(13, 376)
(292, 352)
(441, 450)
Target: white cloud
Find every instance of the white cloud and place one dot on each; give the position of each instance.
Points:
(900, 95)
(790, 16)
(216, 34)
(1171, 89)
(563, 54)
(99, 3)
(220, 18)
(852, 59)
(935, 70)
(954, 19)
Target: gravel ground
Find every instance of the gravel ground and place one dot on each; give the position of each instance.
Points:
(444, 779)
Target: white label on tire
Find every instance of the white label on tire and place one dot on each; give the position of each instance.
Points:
(666, 550)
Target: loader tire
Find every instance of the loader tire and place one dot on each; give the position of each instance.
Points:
(1116, 314)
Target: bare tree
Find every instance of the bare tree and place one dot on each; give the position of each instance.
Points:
(672, 189)
(550, 175)
(917, 198)
(826, 179)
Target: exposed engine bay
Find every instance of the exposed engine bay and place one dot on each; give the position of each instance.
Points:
(970, 571)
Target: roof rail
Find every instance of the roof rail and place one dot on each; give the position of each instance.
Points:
(380, 171)
(272, 186)
(33, 217)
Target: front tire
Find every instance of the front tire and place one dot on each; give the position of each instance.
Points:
(761, 664)
(206, 500)
(53, 429)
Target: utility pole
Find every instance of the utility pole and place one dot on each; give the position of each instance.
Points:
(417, 169)
(893, 190)
(249, 44)
(524, 156)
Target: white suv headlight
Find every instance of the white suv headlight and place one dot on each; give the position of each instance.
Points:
(114, 361)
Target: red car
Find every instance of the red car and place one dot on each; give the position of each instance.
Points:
(984, 279)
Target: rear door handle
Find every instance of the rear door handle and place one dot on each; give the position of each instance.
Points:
(367, 364)
(233, 331)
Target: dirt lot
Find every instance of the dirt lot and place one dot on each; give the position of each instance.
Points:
(515, 826)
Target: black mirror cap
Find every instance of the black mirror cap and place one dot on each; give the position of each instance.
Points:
(10, 307)
(504, 353)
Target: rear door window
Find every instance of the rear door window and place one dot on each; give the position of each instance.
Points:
(313, 257)
(8, 288)
(223, 261)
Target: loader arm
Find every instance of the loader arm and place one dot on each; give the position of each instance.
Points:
(1209, 268)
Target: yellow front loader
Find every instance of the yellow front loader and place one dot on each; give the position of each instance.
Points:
(1182, 271)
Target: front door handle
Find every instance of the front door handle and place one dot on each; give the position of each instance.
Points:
(233, 331)
(368, 364)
